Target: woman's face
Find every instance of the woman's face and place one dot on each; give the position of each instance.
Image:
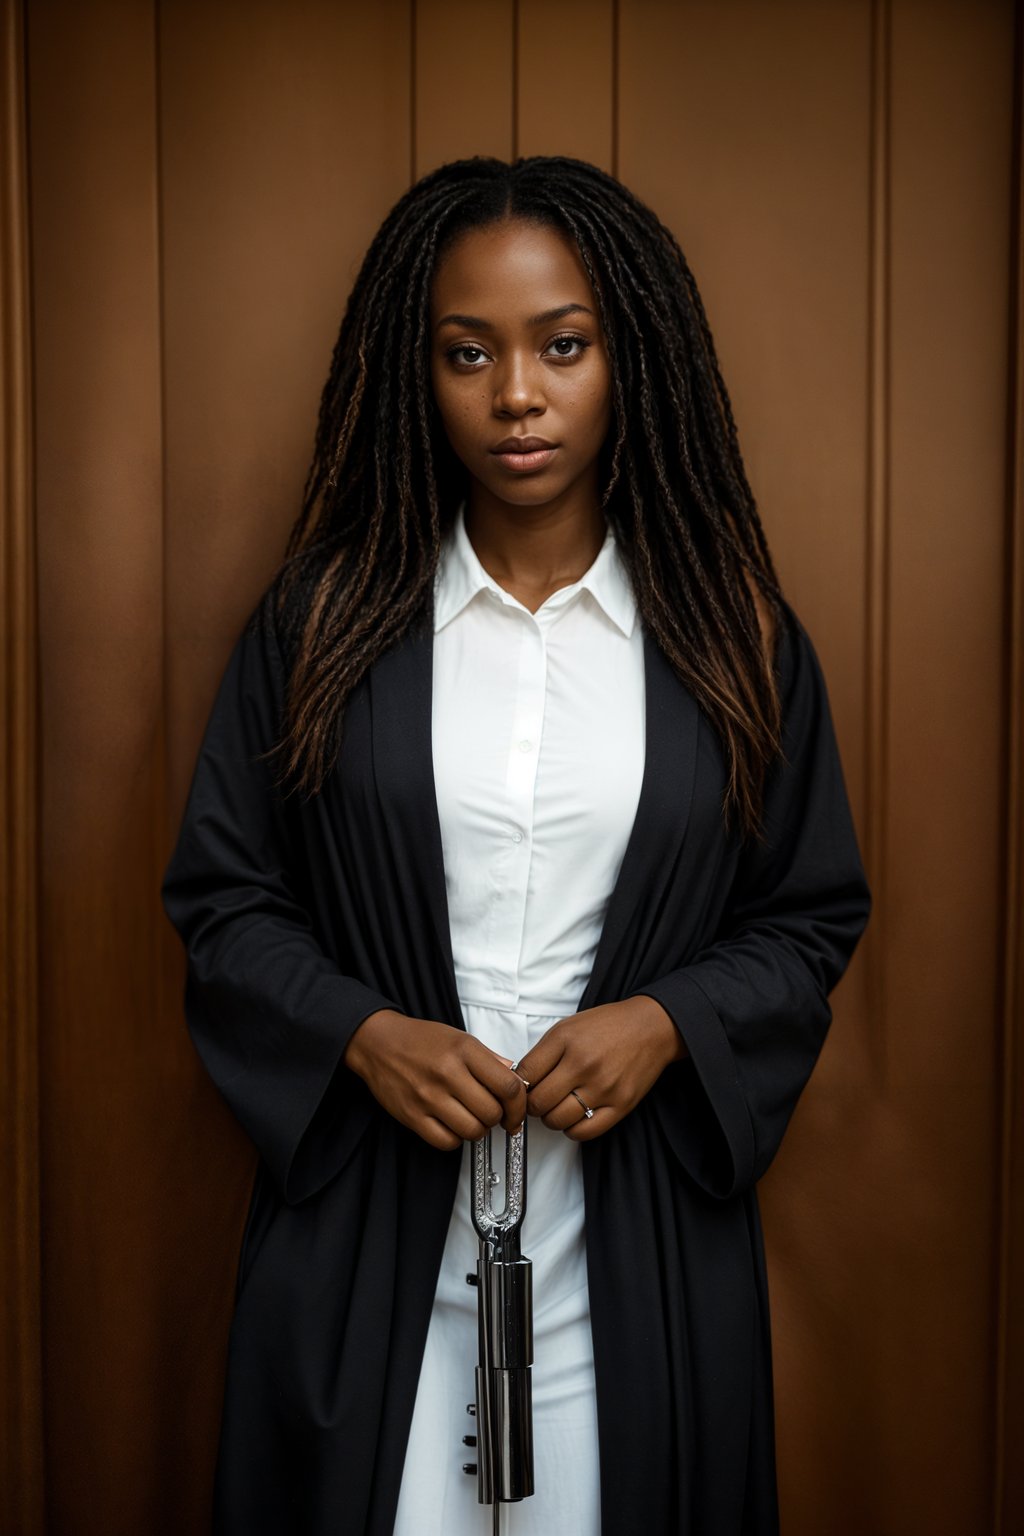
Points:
(517, 351)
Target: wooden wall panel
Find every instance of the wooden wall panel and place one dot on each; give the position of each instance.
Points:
(762, 170)
(1008, 1466)
(282, 147)
(107, 1158)
(22, 1457)
(463, 84)
(497, 77)
(565, 79)
(951, 94)
(746, 127)
(777, 180)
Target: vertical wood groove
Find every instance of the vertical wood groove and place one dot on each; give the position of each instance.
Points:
(164, 830)
(877, 562)
(22, 1498)
(412, 91)
(615, 89)
(1007, 1486)
(515, 79)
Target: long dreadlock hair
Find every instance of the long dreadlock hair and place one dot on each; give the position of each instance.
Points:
(384, 484)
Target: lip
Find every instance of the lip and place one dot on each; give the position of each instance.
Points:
(521, 445)
(522, 454)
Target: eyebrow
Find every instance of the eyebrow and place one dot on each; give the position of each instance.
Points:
(474, 323)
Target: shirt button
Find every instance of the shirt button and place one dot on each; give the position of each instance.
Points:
(524, 745)
(517, 837)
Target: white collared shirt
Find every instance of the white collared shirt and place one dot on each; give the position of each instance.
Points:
(538, 747)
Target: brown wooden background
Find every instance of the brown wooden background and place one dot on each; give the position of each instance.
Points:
(187, 190)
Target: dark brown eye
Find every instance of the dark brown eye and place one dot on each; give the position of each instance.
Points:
(579, 341)
(465, 346)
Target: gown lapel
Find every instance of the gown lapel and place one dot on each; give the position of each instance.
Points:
(402, 698)
(672, 722)
(401, 694)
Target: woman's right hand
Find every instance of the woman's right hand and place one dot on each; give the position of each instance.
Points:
(441, 1082)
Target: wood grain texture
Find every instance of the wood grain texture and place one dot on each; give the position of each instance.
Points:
(1007, 1466)
(746, 128)
(463, 81)
(282, 146)
(104, 1071)
(566, 79)
(878, 525)
(22, 1470)
(808, 192)
(951, 153)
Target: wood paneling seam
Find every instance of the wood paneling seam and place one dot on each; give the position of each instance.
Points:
(22, 1499)
(878, 520)
(162, 748)
(515, 78)
(1011, 1159)
(412, 91)
(615, 88)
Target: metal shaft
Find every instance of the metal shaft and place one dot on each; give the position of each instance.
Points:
(504, 1280)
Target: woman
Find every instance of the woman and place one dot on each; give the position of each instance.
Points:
(557, 828)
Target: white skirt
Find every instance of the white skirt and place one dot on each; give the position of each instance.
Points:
(436, 1495)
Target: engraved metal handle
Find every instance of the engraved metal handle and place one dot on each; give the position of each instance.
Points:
(504, 1281)
(491, 1225)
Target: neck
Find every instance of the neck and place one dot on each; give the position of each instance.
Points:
(538, 546)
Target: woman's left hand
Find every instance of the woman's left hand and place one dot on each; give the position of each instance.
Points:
(612, 1055)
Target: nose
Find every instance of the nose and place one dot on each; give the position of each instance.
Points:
(519, 387)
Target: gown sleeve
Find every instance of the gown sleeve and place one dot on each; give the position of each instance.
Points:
(752, 1005)
(268, 1010)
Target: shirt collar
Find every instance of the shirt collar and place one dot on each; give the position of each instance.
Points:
(460, 576)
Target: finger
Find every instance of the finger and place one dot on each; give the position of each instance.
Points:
(604, 1117)
(436, 1134)
(567, 1112)
(543, 1057)
(510, 1115)
(552, 1089)
(459, 1119)
(515, 1113)
(490, 1070)
(514, 1066)
(478, 1100)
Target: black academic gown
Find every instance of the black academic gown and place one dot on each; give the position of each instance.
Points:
(301, 917)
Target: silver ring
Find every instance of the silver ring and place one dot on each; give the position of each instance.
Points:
(588, 1112)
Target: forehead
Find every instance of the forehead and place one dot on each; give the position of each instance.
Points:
(514, 266)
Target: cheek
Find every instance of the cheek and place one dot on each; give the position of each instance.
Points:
(602, 397)
(590, 388)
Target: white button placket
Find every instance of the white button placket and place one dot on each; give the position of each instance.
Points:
(521, 781)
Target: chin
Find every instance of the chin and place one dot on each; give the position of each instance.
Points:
(527, 490)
